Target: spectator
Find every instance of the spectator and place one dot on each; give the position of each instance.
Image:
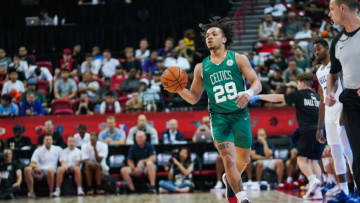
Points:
(40, 73)
(184, 51)
(172, 135)
(292, 26)
(88, 85)
(11, 176)
(304, 36)
(143, 52)
(70, 158)
(65, 87)
(316, 11)
(105, 89)
(4, 61)
(31, 107)
(189, 38)
(155, 83)
(160, 65)
(149, 97)
(46, 20)
(275, 79)
(68, 62)
(134, 104)
(57, 139)
(131, 61)
(276, 10)
(130, 84)
(96, 53)
(118, 78)
(18, 141)
(109, 64)
(309, 48)
(149, 65)
(292, 71)
(31, 87)
(277, 60)
(268, 28)
(94, 156)
(77, 55)
(110, 105)
(21, 67)
(43, 164)
(168, 49)
(301, 60)
(262, 152)
(176, 60)
(85, 106)
(141, 160)
(291, 87)
(8, 108)
(13, 86)
(151, 133)
(180, 173)
(112, 135)
(90, 65)
(24, 56)
(203, 132)
(268, 47)
(82, 137)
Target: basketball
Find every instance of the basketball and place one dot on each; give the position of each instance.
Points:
(174, 79)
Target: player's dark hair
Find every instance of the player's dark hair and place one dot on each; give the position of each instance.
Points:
(307, 78)
(352, 4)
(322, 42)
(224, 24)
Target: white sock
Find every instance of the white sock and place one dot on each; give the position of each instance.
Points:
(79, 188)
(312, 177)
(344, 187)
(241, 196)
(57, 189)
(289, 179)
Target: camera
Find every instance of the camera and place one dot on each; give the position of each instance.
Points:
(174, 154)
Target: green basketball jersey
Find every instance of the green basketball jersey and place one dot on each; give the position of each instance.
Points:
(222, 83)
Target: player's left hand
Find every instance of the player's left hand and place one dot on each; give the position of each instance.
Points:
(242, 99)
(320, 137)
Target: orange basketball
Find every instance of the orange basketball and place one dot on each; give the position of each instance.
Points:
(174, 79)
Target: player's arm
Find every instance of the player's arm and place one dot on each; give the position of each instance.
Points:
(319, 135)
(250, 75)
(193, 94)
(272, 97)
(332, 76)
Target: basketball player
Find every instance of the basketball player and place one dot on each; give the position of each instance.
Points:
(309, 149)
(345, 57)
(336, 137)
(221, 75)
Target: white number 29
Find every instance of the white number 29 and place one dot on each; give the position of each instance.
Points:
(230, 89)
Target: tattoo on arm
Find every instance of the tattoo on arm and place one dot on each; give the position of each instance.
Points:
(223, 146)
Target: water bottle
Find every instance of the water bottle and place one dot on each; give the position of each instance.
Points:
(166, 138)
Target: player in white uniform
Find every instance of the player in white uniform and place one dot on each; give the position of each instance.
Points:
(335, 133)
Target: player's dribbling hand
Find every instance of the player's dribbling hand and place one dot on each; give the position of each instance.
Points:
(242, 99)
(330, 100)
(319, 137)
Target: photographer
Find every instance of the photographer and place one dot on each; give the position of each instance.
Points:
(180, 173)
(84, 106)
(10, 175)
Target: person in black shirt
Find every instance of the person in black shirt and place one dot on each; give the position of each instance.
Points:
(276, 79)
(18, 141)
(141, 160)
(309, 149)
(10, 176)
(57, 138)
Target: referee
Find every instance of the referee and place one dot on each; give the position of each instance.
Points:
(345, 57)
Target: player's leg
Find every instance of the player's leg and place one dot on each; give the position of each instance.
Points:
(219, 172)
(98, 178)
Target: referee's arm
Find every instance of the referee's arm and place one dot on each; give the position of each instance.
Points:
(332, 77)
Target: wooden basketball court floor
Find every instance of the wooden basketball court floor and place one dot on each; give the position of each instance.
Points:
(254, 196)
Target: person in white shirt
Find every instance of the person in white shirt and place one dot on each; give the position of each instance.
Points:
(82, 137)
(143, 52)
(13, 84)
(304, 36)
(144, 126)
(177, 60)
(90, 65)
(94, 156)
(43, 164)
(276, 10)
(39, 73)
(108, 66)
(87, 84)
(70, 159)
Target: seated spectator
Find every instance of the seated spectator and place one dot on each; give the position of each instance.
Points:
(90, 65)
(303, 37)
(94, 156)
(149, 65)
(65, 87)
(292, 26)
(112, 135)
(31, 107)
(18, 141)
(316, 11)
(149, 97)
(131, 61)
(141, 160)
(43, 164)
(168, 48)
(57, 139)
(268, 47)
(82, 137)
(24, 56)
(32, 87)
(262, 152)
(134, 104)
(77, 55)
(172, 135)
(268, 28)
(21, 67)
(143, 52)
(70, 159)
(110, 105)
(184, 51)
(4, 61)
(88, 85)
(155, 83)
(104, 90)
(11, 176)
(292, 71)
(189, 38)
(275, 79)
(8, 108)
(118, 78)
(85, 106)
(13, 86)
(301, 60)
(130, 84)
(276, 10)
(151, 133)
(203, 132)
(180, 173)
(160, 65)
(176, 60)
(96, 53)
(40, 73)
(277, 59)
(108, 65)
(68, 62)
